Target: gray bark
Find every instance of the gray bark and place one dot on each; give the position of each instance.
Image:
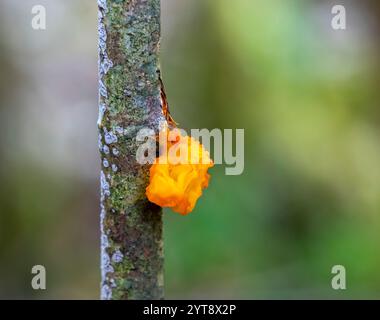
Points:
(129, 99)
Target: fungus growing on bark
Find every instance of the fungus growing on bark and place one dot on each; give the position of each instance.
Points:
(179, 175)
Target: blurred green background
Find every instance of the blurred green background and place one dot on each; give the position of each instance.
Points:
(307, 97)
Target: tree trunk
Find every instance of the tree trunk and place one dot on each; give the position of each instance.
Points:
(129, 99)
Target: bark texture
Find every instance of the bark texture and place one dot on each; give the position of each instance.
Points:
(129, 99)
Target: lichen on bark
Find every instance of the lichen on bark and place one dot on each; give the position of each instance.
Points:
(129, 99)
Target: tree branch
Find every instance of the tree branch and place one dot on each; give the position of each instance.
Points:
(129, 99)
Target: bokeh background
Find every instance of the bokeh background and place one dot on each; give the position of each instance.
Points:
(306, 95)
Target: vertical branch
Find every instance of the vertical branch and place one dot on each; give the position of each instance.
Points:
(129, 99)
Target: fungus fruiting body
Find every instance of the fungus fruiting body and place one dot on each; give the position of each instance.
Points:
(179, 174)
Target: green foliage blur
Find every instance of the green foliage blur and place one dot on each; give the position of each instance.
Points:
(306, 96)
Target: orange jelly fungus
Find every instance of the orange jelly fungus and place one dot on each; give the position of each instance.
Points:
(179, 175)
